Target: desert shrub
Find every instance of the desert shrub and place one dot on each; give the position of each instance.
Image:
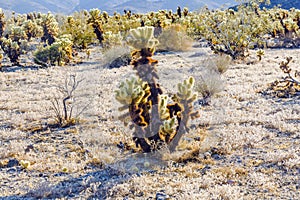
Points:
(65, 102)
(208, 84)
(82, 33)
(59, 53)
(219, 63)
(116, 56)
(157, 119)
(174, 38)
(289, 85)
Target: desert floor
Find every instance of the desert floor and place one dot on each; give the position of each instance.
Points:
(248, 141)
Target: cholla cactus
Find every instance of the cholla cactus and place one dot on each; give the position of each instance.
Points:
(112, 39)
(11, 49)
(289, 85)
(1, 57)
(154, 117)
(82, 33)
(59, 53)
(260, 53)
(50, 28)
(2, 22)
(17, 33)
(142, 38)
(96, 22)
(32, 29)
(130, 90)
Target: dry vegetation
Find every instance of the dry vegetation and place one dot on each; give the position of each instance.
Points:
(61, 136)
(244, 145)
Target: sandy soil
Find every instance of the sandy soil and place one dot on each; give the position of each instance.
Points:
(249, 141)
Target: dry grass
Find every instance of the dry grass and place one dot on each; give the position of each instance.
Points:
(244, 146)
(116, 56)
(208, 84)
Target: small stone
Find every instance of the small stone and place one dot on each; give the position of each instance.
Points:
(13, 162)
(162, 196)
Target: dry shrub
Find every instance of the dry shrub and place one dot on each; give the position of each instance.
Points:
(219, 63)
(116, 56)
(222, 62)
(208, 84)
(174, 38)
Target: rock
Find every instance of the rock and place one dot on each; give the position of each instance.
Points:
(13, 163)
(161, 196)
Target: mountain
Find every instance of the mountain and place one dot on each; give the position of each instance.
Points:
(69, 6)
(44, 6)
(286, 4)
(148, 5)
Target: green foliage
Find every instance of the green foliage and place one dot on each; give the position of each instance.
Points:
(59, 53)
(82, 33)
(156, 120)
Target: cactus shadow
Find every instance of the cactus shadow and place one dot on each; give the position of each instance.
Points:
(95, 184)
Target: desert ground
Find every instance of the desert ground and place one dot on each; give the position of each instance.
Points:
(245, 145)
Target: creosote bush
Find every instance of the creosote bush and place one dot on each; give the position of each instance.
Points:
(157, 119)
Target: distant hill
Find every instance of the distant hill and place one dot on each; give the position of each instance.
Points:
(69, 6)
(285, 4)
(44, 6)
(152, 5)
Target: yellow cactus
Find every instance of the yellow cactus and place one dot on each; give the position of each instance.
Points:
(142, 37)
(130, 89)
(168, 129)
(185, 89)
(163, 110)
